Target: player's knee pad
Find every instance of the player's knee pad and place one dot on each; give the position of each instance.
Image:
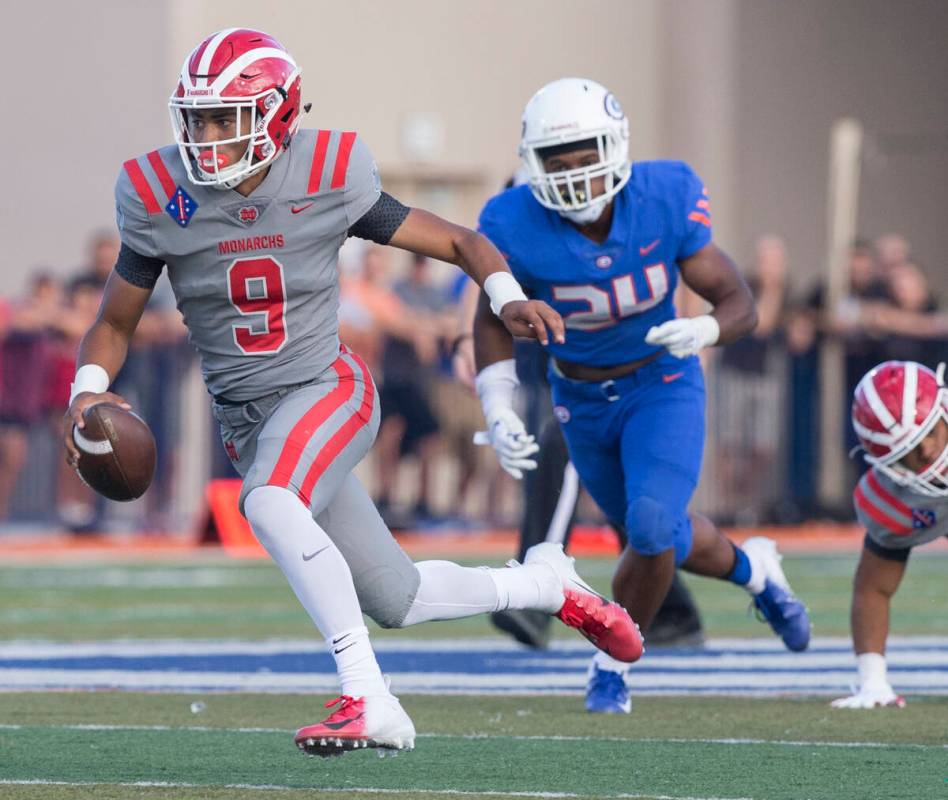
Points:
(387, 592)
(650, 528)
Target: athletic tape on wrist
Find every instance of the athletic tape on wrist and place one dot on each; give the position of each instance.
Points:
(502, 288)
(89, 378)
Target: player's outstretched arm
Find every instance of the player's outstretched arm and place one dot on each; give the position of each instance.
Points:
(102, 352)
(426, 233)
(876, 581)
(712, 274)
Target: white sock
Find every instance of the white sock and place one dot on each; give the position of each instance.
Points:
(533, 586)
(872, 669)
(321, 579)
(758, 576)
(610, 664)
(450, 591)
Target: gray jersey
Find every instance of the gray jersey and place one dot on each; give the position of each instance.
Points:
(897, 517)
(256, 277)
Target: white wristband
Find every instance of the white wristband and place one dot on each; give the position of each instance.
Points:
(502, 288)
(89, 378)
(495, 386)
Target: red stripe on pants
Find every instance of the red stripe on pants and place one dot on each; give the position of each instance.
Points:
(309, 423)
(341, 437)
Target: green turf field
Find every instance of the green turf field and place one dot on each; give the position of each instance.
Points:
(103, 745)
(670, 747)
(213, 597)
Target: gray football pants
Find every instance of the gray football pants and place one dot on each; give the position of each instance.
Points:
(308, 439)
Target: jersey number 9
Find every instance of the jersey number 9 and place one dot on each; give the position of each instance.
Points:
(257, 289)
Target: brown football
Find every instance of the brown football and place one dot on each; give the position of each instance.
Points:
(117, 452)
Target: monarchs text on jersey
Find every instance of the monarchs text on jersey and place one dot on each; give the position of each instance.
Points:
(608, 294)
(256, 278)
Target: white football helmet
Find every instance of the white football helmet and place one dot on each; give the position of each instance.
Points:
(575, 110)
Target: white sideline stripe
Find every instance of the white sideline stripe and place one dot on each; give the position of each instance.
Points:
(356, 790)
(512, 737)
(925, 682)
(44, 648)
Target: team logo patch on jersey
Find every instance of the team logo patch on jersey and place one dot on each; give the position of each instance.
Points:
(246, 212)
(181, 207)
(604, 262)
(561, 413)
(923, 518)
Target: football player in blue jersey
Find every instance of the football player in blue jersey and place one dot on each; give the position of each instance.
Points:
(604, 241)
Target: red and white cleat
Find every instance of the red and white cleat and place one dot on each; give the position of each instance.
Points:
(360, 722)
(606, 624)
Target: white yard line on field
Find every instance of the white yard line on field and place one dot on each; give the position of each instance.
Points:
(511, 737)
(360, 790)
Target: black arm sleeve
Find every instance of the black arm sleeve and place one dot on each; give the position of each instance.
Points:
(138, 270)
(380, 222)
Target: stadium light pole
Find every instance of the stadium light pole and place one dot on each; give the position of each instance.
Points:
(842, 212)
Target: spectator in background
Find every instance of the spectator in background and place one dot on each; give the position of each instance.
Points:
(37, 351)
(891, 250)
(409, 367)
(911, 292)
(102, 253)
(749, 384)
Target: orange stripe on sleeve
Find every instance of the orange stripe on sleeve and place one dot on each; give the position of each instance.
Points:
(697, 216)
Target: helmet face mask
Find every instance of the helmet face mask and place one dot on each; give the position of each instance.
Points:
(574, 111)
(251, 74)
(896, 407)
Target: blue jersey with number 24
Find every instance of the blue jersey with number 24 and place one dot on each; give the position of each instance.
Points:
(608, 294)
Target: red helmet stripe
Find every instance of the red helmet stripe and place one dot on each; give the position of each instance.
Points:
(342, 160)
(164, 177)
(140, 183)
(319, 161)
(886, 495)
(203, 66)
(876, 513)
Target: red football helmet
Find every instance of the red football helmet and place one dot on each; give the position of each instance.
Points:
(895, 406)
(237, 68)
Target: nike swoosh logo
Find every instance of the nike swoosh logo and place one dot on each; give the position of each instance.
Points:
(335, 726)
(341, 638)
(644, 251)
(311, 556)
(673, 377)
(341, 649)
(297, 209)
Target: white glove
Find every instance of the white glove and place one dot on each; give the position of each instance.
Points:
(508, 436)
(685, 336)
(870, 695)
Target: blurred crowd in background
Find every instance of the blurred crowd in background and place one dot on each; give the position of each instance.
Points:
(401, 314)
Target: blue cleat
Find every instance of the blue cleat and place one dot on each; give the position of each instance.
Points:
(606, 692)
(776, 603)
(787, 615)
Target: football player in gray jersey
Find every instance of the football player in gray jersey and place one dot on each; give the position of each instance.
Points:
(900, 413)
(248, 214)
